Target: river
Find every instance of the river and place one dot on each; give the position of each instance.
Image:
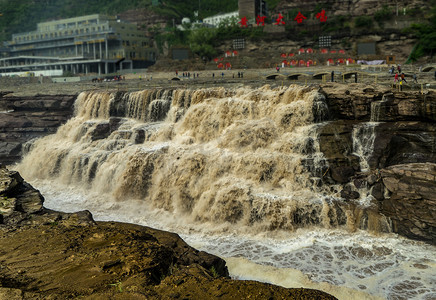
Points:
(235, 172)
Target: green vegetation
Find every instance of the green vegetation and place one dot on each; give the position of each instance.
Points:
(214, 272)
(23, 15)
(203, 41)
(383, 15)
(363, 22)
(426, 33)
(118, 285)
(272, 3)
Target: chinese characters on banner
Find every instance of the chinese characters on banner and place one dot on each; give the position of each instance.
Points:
(299, 18)
(321, 16)
(279, 20)
(260, 20)
(243, 22)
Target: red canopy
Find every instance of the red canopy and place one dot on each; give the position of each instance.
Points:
(293, 62)
(291, 54)
(324, 51)
(341, 51)
(309, 50)
(220, 65)
(333, 51)
(302, 63)
(283, 55)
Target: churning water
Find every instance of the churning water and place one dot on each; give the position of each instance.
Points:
(237, 173)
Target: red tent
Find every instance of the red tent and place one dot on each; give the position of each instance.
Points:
(341, 51)
(283, 55)
(291, 54)
(341, 61)
(350, 60)
(324, 51)
(215, 59)
(285, 62)
(235, 53)
(330, 61)
(309, 62)
(220, 66)
(302, 63)
(228, 65)
(309, 50)
(293, 62)
(301, 51)
(333, 51)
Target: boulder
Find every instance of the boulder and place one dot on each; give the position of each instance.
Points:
(412, 203)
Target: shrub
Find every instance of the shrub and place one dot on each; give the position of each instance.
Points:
(363, 21)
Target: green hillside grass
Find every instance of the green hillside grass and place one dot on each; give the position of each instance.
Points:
(23, 15)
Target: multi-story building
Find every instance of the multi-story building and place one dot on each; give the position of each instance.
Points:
(216, 20)
(93, 43)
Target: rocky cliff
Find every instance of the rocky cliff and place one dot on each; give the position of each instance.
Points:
(385, 142)
(23, 118)
(46, 254)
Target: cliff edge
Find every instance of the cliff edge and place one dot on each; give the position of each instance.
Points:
(46, 254)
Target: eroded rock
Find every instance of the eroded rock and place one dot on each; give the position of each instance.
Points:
(412, 204)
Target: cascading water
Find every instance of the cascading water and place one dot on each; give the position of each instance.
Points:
(235, 172)
(363, 143)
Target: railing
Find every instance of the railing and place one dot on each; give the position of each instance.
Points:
(76, 36)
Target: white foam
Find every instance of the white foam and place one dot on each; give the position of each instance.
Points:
(348, 265)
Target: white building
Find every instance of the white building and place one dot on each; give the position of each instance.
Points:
(217, 19)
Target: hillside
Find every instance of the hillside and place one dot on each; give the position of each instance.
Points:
(388, 23)
(23, 15)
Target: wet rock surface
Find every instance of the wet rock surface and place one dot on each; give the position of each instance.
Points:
(23, 118)
(400, 174)
(412, 201)
(46, 254)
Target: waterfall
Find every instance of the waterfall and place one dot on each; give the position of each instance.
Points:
(363, 143)
(227, 156)
(378, 108)
(235, 172)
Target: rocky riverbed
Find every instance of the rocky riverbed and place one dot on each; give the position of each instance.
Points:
(400, 124)
(46, 254)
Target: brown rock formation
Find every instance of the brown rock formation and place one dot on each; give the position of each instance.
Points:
(51, 255)
(404, 149)
(26, 117)
(412, 203)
